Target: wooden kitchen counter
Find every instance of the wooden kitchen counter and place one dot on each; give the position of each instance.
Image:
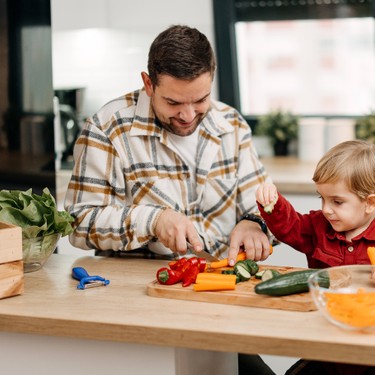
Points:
(123, 312)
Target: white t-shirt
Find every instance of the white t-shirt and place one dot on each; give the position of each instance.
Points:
(186, 148)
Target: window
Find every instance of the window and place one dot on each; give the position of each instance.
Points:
(311, 57)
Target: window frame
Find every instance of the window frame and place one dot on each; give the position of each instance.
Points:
(228, 12)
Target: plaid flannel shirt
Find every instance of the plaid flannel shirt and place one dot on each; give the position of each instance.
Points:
(126, 173)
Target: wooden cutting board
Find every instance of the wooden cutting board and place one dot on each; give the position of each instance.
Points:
(243, 295)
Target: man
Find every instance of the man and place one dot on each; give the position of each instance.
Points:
(167, 164)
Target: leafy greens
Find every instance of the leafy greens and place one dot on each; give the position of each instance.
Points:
(37, 215)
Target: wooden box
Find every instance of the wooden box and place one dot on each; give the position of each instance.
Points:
(11, 263)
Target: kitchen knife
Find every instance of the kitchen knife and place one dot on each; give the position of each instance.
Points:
(200, 254)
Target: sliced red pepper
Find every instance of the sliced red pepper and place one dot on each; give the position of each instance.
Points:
(167, 276)
(202, 264)
(178, 265)
(190, 275)
(173, 264)
(193, 260)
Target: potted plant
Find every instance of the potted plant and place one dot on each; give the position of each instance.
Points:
(280, 127)
(365, 127)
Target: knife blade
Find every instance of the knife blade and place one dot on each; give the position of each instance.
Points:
(200, 254)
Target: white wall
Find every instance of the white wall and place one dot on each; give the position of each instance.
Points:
(102, 45)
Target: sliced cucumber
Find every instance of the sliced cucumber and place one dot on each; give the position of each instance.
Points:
(242, 263)
(259, 274)
(269, 274)
(242, 271)
(252, 265)
(228, 272)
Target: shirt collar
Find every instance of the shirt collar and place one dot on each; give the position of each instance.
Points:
(368, 234)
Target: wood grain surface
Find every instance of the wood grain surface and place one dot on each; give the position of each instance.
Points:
(123, 312)
(243, 295)
(11, 279)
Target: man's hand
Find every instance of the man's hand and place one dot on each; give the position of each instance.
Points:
(248, 236)
(173, 229)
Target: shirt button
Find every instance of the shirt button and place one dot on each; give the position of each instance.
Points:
(350, 248)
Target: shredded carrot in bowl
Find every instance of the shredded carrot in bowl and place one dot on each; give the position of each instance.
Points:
(355, 309)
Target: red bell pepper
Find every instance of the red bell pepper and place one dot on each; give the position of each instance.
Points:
(202, 264)
(167, 276)
(178, 264)
(193, 260)
(190, 275)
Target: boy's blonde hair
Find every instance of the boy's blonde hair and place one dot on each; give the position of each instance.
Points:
(352, 162)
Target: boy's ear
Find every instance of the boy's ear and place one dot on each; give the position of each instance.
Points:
(370, 203)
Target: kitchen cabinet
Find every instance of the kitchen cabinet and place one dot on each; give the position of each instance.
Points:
(21, 172)
(26, 110)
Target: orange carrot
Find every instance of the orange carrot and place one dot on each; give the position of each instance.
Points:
(214, 285)
(214, 281)
(354, 309)
(224, 262)
(371, 254)
(204, 277)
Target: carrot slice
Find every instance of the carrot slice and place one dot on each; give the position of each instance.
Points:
(214, 285)
(224, 262)
(371, 254)
(205, 277)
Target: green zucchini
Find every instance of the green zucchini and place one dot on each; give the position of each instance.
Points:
(228, 272)
(252, 266)
(269, 274)
(289, 283)
(259, 274)
(242, 271)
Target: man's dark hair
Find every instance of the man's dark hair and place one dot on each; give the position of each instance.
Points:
(181, 52)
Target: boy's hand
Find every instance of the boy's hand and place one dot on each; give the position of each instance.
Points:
(267, 196)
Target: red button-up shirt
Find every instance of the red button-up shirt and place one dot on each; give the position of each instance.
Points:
(313, 235)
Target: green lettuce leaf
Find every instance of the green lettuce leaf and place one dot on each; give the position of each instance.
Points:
(37, 215)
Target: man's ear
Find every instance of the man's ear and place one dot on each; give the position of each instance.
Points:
(147, 83)
(370, 203)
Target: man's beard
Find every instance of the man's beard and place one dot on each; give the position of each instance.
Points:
(179, 130)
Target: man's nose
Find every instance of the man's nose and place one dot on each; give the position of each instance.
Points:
(187, 113)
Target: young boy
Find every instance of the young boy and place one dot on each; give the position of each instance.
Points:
(341, 231)
(336, 235)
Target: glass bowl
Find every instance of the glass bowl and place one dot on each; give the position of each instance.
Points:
(37, 250)
(349, 300)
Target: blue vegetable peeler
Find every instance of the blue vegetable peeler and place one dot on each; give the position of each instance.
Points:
(87, 281)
